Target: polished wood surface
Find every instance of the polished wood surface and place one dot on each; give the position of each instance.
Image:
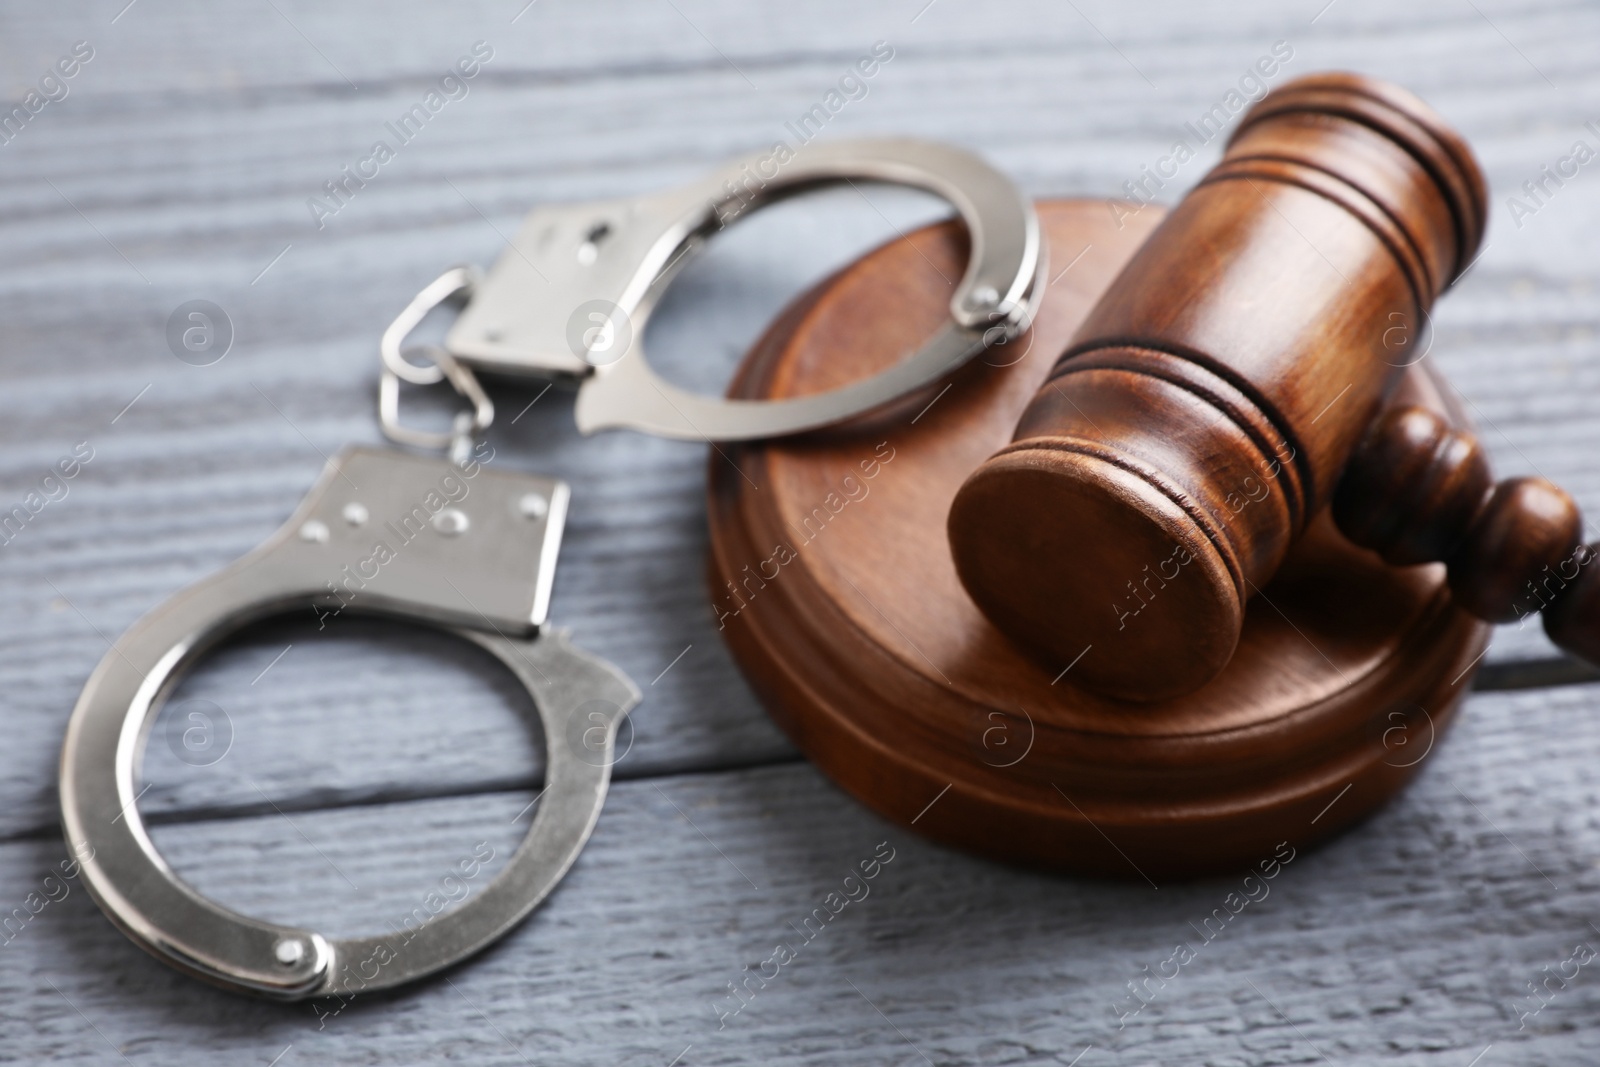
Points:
(192, 142)
(1418, 490)
(1527, 528)
(1572, 617)
(835, 587)
(1412, 488)
(1199, 417)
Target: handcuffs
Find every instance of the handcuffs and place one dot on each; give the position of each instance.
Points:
(454, 544)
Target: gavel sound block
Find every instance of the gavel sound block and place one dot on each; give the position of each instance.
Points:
(835, 587)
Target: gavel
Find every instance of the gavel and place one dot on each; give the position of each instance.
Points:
(1238, 377)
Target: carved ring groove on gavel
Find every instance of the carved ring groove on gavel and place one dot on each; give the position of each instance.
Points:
(1234, 380)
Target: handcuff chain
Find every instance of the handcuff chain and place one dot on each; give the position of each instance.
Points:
(454, 285)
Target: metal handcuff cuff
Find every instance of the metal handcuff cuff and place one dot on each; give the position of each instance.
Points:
(474, 548)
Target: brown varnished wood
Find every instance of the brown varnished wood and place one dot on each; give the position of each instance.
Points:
(1418, 490)
(1527, 527)
(836, 590)
(1413, 488)
(1200, 415)
(1571, 603)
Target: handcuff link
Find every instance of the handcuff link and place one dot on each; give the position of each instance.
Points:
(455, 285)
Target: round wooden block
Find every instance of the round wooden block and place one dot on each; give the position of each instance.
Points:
(834, 587)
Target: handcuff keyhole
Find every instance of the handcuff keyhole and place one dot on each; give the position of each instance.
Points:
(589, 250)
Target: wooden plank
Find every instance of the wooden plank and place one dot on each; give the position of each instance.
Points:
(1411, 938)
(182, 168)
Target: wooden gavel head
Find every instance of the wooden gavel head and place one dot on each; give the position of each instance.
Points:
(1207, 407)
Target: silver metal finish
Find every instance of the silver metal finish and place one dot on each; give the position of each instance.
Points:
(570, 297)
(373, 546)
(455, 284)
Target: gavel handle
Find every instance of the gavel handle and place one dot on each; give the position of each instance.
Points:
(1417, 490)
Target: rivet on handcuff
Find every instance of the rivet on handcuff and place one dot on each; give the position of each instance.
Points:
(471, 550)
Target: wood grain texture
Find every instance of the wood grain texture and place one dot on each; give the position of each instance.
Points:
(192, 141)
(1418, 490)
(1408, 940)
(199, 169)
(837, 589)
(1529, 527)
(1412, 488)
(1207, 404)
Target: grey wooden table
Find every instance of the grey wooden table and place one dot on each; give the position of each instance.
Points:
(368, 759)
